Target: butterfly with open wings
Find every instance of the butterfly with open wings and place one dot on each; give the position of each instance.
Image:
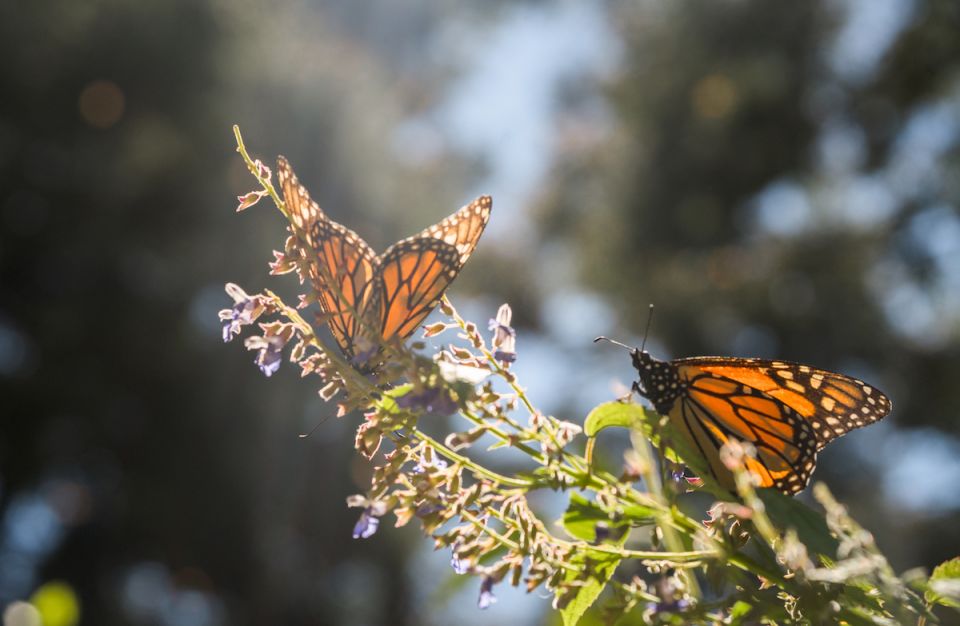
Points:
(788, 411)
(378, 298)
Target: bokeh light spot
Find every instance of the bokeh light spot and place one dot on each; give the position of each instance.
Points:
(14, 350)
(21, 614)
(714, 97)
(101, 104)
(57, 604)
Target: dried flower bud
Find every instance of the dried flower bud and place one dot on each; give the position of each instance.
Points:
(459, 441)
(433, 330)
(566, 431)
(368, 440)
(281, 264)
(733, 452)
(249, 199)
(262, 170)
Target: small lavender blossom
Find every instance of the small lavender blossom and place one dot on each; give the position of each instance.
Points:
(684, 480)
(245, 311)
(504, 336)
(365, 351)
(367, 525)
(270, 355)
(459, 567)
(428, 508)
(486, 593)
(423, 464)
(672, 606)
(505, 357)
(434, 400)
(670, 599)
(601, 532)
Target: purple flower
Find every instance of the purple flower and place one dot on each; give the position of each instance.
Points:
(684, 480)
(673, 606)
(366, 350)
(423, 464)
(501, 330)
(486, 593)
(670, 600)
(505, 357)
(270, 355)
(459, 566)
(428, 508)
(245, 310)
(435, 400)
(504, 336)
(601, 532)
(367, 525)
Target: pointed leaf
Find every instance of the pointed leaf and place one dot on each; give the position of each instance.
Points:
(608, 414)
(596, 569)
(945, 584)
(811, 527)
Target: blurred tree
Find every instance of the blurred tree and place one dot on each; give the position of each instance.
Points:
(116, 173)
(750, 188)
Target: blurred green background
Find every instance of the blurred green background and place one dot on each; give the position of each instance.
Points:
(780, 179)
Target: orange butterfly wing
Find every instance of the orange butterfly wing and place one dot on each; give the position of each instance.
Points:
(834, 404)
(415, 272)
(786, 410)
(342, 268)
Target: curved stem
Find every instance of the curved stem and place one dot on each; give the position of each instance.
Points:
(252, 166)
(471, 465)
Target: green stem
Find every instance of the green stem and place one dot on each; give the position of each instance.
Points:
(252, 166)
(471, 465)
(664, 520)
(503, 436)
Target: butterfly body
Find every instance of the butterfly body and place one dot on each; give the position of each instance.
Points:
(787, 411)
(368, 299)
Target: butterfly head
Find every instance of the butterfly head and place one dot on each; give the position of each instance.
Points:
(659, 381)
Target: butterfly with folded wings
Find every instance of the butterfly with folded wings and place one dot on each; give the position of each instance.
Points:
(369, 299)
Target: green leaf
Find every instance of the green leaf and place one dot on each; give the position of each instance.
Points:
(582, 516)
(945, 584)
(608, 414)
(388, 401)
(596, 568)
(635, 417)
(739, 610)
(811, 527)
(947, 569)
(638, 515)
(677, 448)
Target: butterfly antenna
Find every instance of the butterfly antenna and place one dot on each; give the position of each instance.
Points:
(314, 429)
(614, 342)
(646, 332)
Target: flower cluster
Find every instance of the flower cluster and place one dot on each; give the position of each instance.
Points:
(767, 558)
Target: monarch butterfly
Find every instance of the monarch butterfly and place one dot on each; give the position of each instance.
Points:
(378, 297)
(788, 411)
